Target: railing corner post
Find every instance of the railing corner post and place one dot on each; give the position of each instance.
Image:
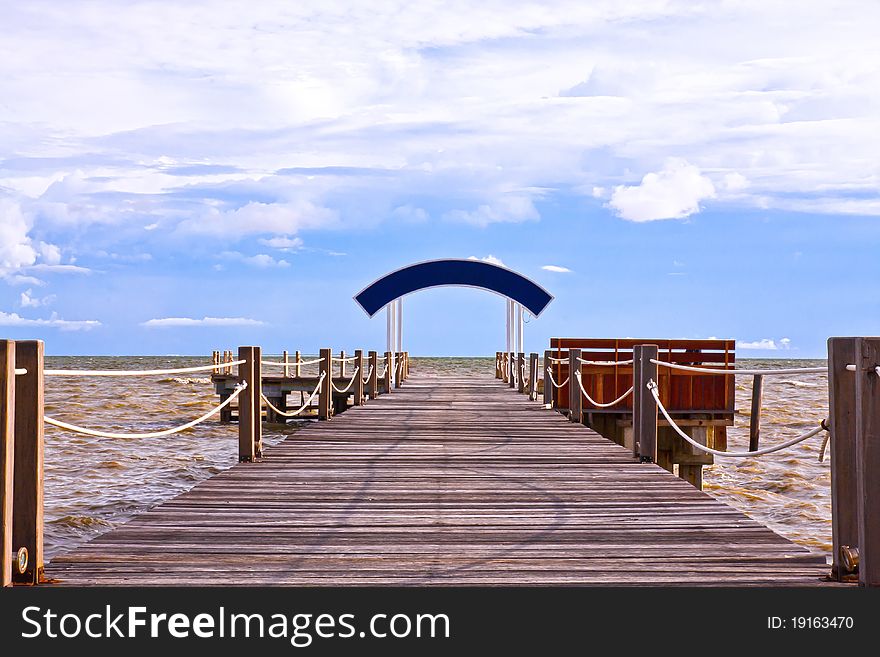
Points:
(374, 375)
(246, 414)
(867, 458)
(644, 405)
(575, 398)
(359, 381)
(520, 372)
(325, 394)
(548, 387)
(389, 372)
(533, 376)
(7, 455)
(27, 503)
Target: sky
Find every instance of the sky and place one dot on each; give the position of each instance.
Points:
(182, 177)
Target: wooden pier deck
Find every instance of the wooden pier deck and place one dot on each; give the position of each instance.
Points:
(447, 481)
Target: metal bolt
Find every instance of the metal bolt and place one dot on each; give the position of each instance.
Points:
(20, 560)
(850, 557)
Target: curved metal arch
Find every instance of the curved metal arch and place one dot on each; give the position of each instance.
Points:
(453, 272)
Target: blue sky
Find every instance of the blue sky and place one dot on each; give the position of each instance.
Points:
(177, 179)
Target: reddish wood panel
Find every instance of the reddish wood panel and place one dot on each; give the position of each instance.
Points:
(681, 392)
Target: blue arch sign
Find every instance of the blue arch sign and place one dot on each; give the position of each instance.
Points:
(465, 273)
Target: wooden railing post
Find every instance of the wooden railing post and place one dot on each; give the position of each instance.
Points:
(575, 398)
(341, 363)
(842, 420)
(533, 376)
(867, 402)
(248, 412)
(398, 367)
(644, 406)
(521, 377)
(755, 414)
(27, 502)
(511, 367)
(359, 377)
(374, 375)
(497, 364)
(548, 387)
(7, 456)
(325, 392)
(286, 361)
(505, 370)
(297, 368)
(389, 373)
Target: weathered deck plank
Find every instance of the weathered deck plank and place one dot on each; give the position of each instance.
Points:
(449, 481)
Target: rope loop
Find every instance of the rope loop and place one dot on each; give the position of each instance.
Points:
(652, 386)
(577, 375)
(353, 377)
(301, 408)
(152, 434)
(556, 385)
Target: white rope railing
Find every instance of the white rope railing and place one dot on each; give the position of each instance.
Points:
(343, 360)
(652, 386)
(20, 371)
(179, 370)
(557, 360)
(152, 434)
(556, 385)
(605, 363)
(301, 408)
(711, 370)
(353, 377)
(369, 374)
(577, 375)
(292, 363)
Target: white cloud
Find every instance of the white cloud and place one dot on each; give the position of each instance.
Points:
(674, 192)
(16, 249)
(27, 300)
(492, 260)
(511, 209)
(19, 279)
(168, 322)
(557, 269)
(50, 253)
(765, 344)
(410, 213)
(60, 269)
(13, 319)
(261, 260)
(735, 182)
(480, 112)
(283, 242)
(256, 217)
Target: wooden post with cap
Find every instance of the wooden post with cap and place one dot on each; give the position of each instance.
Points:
(7, 455)
(533, 376)
(842, 420)
(575, 398)
(867, 402)
(374, 375)
(548, 387)
(644, 405)
(359, 377)
(27, 502)
(325, 394)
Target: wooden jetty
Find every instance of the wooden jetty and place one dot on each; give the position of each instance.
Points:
(456, 480)
(449, 481)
